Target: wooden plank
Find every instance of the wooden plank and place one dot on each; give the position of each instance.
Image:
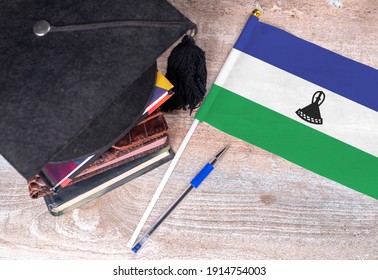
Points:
(253, 206)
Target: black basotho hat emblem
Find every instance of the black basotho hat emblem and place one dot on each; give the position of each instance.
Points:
(311, 113)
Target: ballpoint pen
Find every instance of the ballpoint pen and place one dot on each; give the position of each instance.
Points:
(197, 180)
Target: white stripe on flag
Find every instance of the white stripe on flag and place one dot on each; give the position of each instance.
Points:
(285, 93)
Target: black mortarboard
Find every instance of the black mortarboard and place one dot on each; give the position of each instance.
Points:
(83, 84)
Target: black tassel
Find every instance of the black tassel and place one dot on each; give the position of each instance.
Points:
(187, 71)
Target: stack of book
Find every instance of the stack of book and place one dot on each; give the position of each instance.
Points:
(69, 185)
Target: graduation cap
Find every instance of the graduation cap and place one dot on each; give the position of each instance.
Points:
(77, 75)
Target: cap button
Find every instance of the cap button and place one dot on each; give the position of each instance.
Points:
(41, 28)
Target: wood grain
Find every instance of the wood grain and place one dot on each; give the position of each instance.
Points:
(255, 205)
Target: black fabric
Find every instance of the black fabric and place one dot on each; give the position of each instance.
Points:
(68, 94)
(109, 125)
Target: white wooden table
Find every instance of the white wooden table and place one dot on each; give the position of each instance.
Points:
(255, 205)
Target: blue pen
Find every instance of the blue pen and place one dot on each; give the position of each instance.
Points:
(206, 170)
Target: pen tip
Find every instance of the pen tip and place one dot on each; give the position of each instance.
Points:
(221, 153)
(218, 156)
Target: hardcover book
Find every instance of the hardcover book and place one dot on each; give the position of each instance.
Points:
(144, 148)
(59, 175)
(84, 191)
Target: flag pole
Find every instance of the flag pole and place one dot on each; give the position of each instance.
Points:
(168, 173)
(163, 183)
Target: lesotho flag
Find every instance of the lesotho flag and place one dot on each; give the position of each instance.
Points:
(302, 102)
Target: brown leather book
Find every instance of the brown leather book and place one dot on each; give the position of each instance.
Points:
(149, 136)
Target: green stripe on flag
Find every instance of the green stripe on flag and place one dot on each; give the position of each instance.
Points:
(291, 140)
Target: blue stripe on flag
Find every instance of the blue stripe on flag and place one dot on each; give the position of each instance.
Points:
(346, 77)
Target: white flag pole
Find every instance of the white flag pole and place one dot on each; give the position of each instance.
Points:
(163, 183)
